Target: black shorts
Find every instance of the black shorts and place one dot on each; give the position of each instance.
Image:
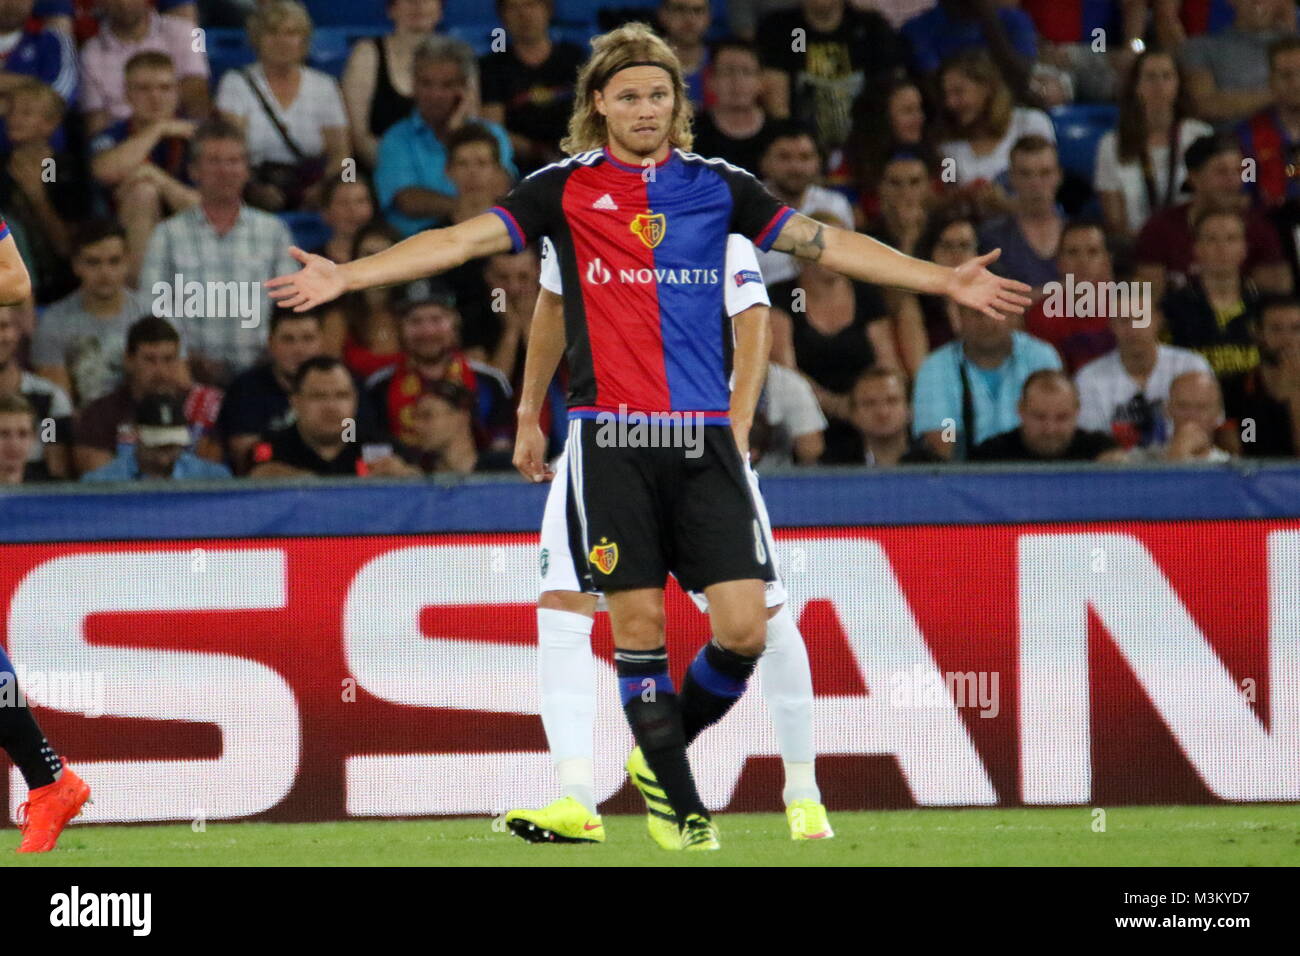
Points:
(637, 513)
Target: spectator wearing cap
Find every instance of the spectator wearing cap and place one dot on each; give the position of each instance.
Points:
(442, 430)
(969, 390)
(105, 428)
(52, 410)
(429, 333)
(325, 437)
(1049, 427)
(219, 241)
(142, 158)
(1263, 404)
(130, 27)
(411, 179)
(17, 442)
(1126, 391)
(1272, 136)
(258, 400)
(881, 416)
(1030, 236)
(1212, 313)
(1087, 272)
(1227, 72)
(161, 448)
(528, 86)
(790, 169)
(1196, 413)
(1165, 246)
(80, 340)
(734, 126)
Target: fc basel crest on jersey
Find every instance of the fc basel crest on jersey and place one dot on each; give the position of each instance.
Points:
(604, 556)
(650, 228)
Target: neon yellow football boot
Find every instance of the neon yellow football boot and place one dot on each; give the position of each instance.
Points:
(564, 821)
(661, 819)
(808, 821)
(699, 834)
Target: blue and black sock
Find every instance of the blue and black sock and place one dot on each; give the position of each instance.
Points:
(20, 736)
(714, 682)
(652, 709)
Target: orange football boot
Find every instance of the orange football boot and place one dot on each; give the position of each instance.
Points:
(48, 810)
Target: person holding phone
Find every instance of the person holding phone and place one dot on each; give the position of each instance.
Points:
(415, 192)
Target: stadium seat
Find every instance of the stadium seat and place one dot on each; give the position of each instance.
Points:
(352, 13)
(309, 230)
(227, 49)
(330, 46)
(1078, 129)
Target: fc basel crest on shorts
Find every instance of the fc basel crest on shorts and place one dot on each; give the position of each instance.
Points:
(650, 228)
(604, 556)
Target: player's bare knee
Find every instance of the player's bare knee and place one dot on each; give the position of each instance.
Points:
(748, 637)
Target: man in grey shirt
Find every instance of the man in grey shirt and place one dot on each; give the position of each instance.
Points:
(1227, 72)
(79, 341)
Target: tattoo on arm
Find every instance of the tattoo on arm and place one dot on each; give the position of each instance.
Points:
(802, 237)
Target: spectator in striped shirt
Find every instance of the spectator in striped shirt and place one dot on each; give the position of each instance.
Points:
(222, 249)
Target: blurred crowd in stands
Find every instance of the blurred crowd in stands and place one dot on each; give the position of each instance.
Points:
(1136, 161)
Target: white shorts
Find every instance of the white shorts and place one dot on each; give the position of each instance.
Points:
(556, 566)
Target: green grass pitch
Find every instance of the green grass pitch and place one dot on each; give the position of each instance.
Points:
(1257, 835)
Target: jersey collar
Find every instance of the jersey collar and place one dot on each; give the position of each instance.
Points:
(619, 164)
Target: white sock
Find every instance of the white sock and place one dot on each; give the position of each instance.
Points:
(788, 692)
(566, 674)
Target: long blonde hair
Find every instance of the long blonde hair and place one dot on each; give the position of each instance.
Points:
(630, 43)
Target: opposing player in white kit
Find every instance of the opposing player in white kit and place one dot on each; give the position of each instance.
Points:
(565, 614)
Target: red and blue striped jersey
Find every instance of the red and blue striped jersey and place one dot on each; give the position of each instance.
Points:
(642, 255)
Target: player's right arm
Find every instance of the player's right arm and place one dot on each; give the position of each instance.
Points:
(425, 254)
(15, 283)
(545, 347)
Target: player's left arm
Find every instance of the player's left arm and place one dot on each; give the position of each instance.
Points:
(863, 258)
(753, 346)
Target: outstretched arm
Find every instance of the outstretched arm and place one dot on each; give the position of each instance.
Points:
(863, 258)
(541, 359)
(426, 254)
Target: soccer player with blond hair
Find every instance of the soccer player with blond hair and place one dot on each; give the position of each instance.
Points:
(640, 227)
